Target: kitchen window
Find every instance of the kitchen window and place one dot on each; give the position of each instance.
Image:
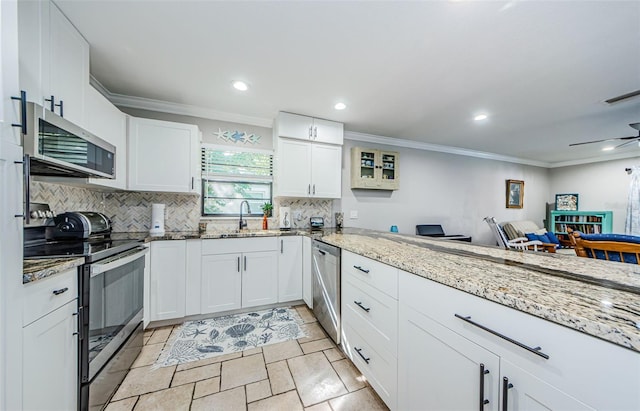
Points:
(230, 176)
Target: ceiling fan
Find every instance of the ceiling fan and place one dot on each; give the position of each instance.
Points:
(627, 140)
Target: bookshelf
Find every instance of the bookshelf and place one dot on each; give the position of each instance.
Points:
(588, 222)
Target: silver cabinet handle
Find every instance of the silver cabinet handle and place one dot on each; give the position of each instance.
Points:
(52, 102)
(245, 263)
(23, 111)
(193, 179)
(310, 132)
(60, 291)
(315, 132)
(535, 350)
(314, 189)
(238, 264)
(281, 246)
(309, 189)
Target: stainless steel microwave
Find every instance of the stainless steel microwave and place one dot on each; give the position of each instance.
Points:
(57, 147)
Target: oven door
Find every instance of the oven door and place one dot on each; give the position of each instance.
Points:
(111, 301)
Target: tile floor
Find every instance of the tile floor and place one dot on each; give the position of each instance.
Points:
(310, 373)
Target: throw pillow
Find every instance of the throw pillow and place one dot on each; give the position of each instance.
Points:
(544, 238)
(531, 236)
(553, 238)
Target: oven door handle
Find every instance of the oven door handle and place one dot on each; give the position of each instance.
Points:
(99, 268)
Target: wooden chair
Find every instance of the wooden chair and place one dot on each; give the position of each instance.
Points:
(520, 243)
(608, 248)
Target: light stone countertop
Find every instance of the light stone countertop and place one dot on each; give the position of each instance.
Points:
(598, 298)
(33, 270)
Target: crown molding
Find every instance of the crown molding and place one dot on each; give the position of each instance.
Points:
(177, 108)
(195, 111)
(611, 157)
(390, 141)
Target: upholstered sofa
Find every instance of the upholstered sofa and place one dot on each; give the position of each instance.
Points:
(516, 229)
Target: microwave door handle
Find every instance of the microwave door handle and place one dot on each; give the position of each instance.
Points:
(101, 268)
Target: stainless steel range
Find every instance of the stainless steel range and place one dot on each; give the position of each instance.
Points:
(110, 284)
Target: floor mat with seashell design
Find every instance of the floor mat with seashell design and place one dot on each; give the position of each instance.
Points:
(201, 339)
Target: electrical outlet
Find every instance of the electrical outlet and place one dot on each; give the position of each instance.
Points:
(297, 215)
(353, 214)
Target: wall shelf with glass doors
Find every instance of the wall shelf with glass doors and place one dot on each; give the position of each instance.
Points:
(374, 169)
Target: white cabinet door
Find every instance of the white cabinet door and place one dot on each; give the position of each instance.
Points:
(326, 162)
(294, 126)
(294, 168)
(221, 283)
(525, 392)
(290, 269)
(50, 361)
(168, 277)
(33, 29)
(325, 131)
(307, 283)
(68, 66)
(259, 278)
(110, 124)
(309, 128)
(440, 370)
(163, 156)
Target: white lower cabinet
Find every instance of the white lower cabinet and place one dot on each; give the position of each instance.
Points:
(221, 283)
(50, 343)
(290, 269)
(168, 280)
(445, 335)
(238, 273)
(440, 370)
(307, 283)
(369, 322)
(522, 391)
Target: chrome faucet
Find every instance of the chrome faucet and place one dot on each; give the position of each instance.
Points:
(243, 223)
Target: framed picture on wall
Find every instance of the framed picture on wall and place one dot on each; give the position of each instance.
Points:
(567, 202)
(515, 193)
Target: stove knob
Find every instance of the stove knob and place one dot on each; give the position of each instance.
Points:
(40, 214)
(66, 226)
(48, 213)
(34, 214)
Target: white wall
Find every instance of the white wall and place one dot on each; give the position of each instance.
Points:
(438, 188)
(601, 187)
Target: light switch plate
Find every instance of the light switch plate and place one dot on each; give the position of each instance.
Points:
(353, 214)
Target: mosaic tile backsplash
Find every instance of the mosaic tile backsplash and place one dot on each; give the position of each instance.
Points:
(131, 211)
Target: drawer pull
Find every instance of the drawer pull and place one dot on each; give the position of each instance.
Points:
(364, 270)
(483, 401)
(506, 385)
(60, 291)
(359, 304)
(535, 350)
(359, 351)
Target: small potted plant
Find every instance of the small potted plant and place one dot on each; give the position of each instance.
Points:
(266, 210)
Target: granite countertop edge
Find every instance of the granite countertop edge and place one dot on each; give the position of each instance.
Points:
(34, 270)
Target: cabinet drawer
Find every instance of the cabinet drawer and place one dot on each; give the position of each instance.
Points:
(239, 245)
(40, 298)
(374, 314)
(378, 275)
(380, 367)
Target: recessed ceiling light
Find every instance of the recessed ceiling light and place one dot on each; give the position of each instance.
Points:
(240, 85)
(340, 106)
(608, 148)
(480, 117)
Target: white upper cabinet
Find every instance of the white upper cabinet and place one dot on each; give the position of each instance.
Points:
(308, 169)
(110, 124)
(54, 60)
(163, 156)
(309, 128)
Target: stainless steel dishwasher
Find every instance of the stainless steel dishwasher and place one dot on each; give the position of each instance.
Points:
(326, 287)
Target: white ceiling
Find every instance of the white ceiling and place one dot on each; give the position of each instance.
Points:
(412, 70)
